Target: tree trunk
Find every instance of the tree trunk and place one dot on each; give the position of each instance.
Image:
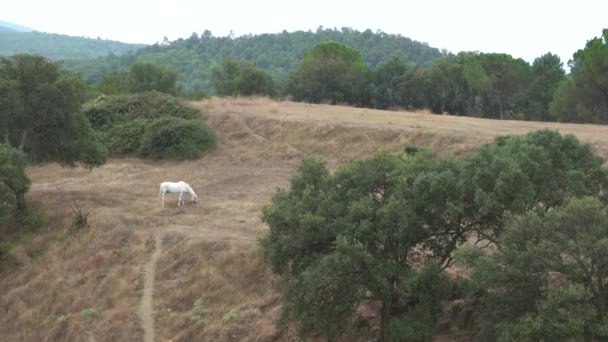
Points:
(20, 200)
(385, 318)
(500, 108)
(606, 104)
(22, 142)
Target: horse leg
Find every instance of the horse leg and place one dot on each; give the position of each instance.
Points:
(179, 201)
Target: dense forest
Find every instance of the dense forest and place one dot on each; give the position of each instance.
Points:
(58, 46)
(278, 54)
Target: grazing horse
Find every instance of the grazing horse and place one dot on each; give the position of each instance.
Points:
(180, 188)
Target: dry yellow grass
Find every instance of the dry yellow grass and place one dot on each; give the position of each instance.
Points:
(208, 250)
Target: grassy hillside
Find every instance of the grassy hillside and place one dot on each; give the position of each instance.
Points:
(59, 46)
(209, 280)
(278, 54)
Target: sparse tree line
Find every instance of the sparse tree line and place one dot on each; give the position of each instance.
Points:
(525, 218)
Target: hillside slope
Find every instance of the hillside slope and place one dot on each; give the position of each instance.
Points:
(6, 26)
(278, 54)
(59, 46)
(209, 281)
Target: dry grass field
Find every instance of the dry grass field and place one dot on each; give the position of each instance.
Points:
(141, 272)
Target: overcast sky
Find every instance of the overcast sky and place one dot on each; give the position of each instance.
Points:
(524, 29)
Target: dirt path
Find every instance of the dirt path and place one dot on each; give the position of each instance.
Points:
(146, 309)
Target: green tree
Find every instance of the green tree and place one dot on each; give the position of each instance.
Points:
(43, 118)
(331, 72)
(254, 81)
(398, 84)
(224, 77)
(13, 177)
(376, 230)
(547, 74)
(234, 77)
(548, 279)
(117, 83)
(150, 76)
(500, 78)
(447, 89)
(584, 97)
(537, 171)
(382, 229)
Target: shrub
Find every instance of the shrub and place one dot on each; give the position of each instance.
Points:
(198, 311)
(125, 138)
(88, 313)
(151, 124)
(80, 219)
(176, 138)
(230, 315)
(107, 111)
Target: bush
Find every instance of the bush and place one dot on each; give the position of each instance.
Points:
(125, 138)
(175, 138)
(107, 111)
(88, 313)
(150, 124)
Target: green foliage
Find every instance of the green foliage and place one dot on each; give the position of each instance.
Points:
(150, 124)
(277, 54)
(88, 313)
(230, 315)
(116, 83)
(499, 77)
(80, 220)
(125, 138)
(13, 179)
(336, 237)
(176, 138)
(43, 117)
(584, 97)
(547, 74)
(532, 172)
(59, 46)
(547, 280)
(106, 112)
(397, 84)
(382, 229)
(254, 81)
(237, 78)
(330, 72)
(198, 313)
(149, 76)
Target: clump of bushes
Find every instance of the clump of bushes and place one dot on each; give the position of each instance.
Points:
(175, 138)
(149, 124)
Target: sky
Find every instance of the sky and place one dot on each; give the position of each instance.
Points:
(523, 29)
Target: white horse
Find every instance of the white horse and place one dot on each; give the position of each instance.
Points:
(180, 188)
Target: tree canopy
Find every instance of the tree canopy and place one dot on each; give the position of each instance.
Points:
(330, 72)
(41, 117)
(584, 95)
(383, 229)
(547, 280)
(12, 178)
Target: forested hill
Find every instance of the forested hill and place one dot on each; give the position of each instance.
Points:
(278, 54)
(58, 46)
